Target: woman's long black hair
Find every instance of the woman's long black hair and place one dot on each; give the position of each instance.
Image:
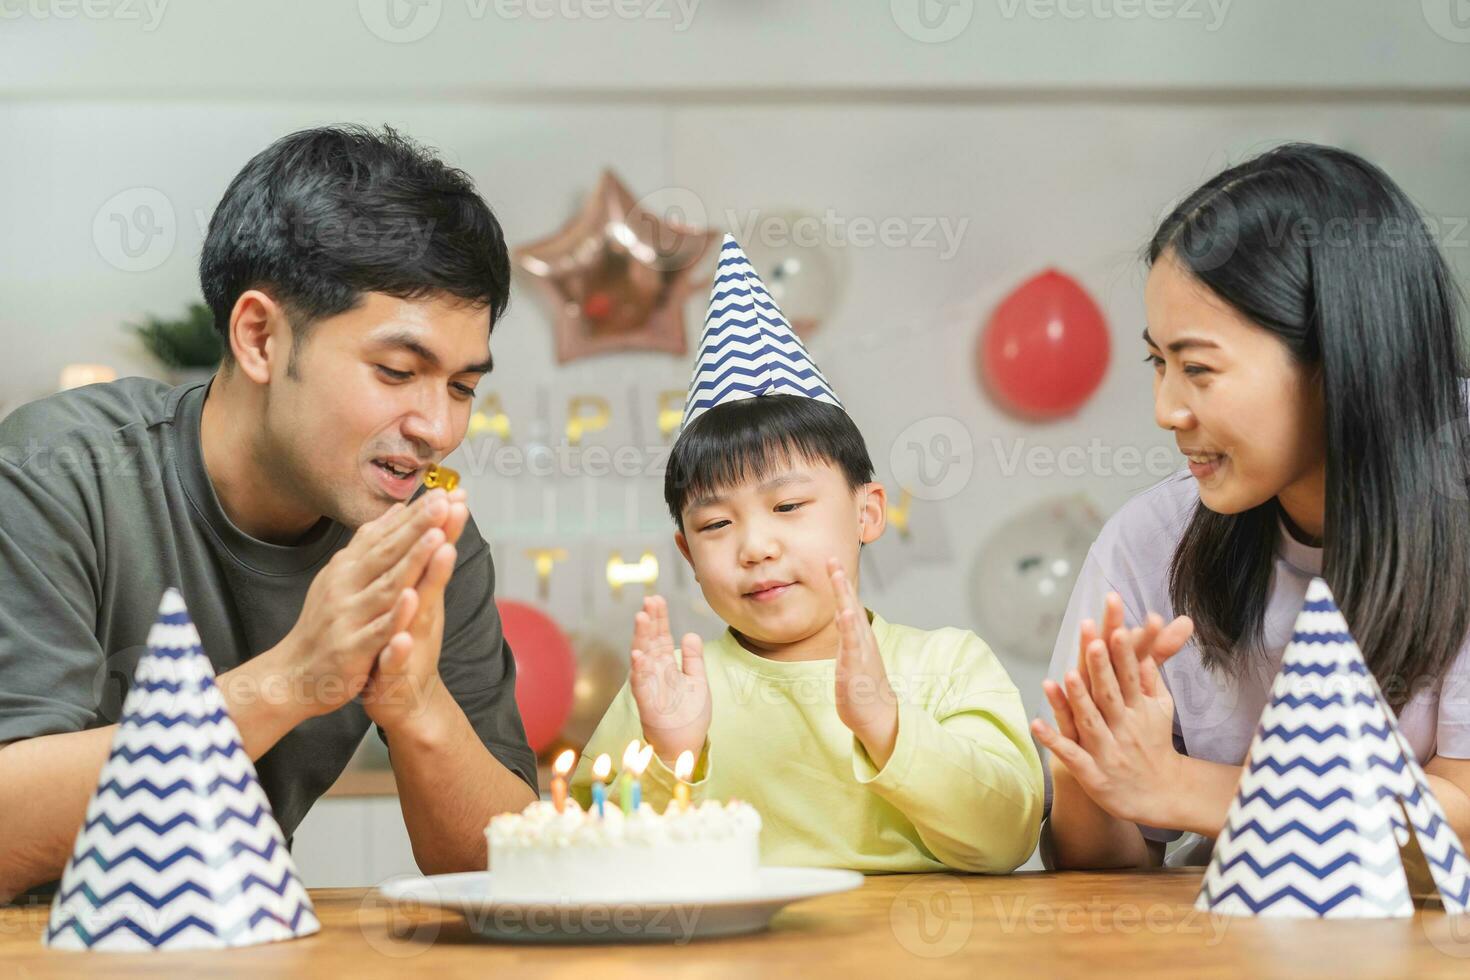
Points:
(1322, 249)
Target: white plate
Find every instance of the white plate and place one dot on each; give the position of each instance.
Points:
(540, 921)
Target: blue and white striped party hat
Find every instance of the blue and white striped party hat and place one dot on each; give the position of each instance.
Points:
(1330, 795)
(180, 849)
(747, 348)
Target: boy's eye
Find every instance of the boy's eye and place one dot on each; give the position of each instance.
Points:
(788, 508)
(464, 390)
(393, 375)
(714, 525)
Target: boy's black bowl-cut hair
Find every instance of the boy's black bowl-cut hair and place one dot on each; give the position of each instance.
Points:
(753, 438)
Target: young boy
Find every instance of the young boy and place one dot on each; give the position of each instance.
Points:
(862, 743)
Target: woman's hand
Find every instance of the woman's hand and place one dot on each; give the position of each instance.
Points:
(1115, 731)
(1153, 640)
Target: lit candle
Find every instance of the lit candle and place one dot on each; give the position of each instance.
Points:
(600, 769)
(559, 770)
(645, 756)
(625, 782)
(683, 769)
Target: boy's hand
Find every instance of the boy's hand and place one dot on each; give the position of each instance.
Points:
(673, 703)
(865, 700)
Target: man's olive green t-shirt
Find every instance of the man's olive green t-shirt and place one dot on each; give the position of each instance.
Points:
(105, 503)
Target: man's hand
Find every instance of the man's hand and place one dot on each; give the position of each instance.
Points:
(359, 601)
(673, 699)
(407, 674)
(865, 700)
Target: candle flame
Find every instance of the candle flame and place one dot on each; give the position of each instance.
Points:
(684, 766)
(564, 762)
(602, 766)
(630, 754)
(642, 759)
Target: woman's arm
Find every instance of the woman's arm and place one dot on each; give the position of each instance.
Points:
(1080, 835)
(1450, 780)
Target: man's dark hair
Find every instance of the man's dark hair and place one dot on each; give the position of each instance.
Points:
(322, 216)
(752, 438)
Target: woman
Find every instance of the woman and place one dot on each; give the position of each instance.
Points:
(1302, 332)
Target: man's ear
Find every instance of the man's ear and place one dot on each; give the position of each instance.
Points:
(683, 545)
(872, 512)
(260, 335)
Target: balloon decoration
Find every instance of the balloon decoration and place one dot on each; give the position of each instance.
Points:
(1045, 349)
(616, 277)
(1024, 572)
(545, 670)
(804, 274)
(601, 670)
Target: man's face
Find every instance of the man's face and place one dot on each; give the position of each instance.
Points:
(760, 550)
(373, 397)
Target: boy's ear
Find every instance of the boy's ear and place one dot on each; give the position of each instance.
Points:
(872, 512)
(683, 545)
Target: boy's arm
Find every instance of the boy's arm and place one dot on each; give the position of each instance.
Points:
(968, 778)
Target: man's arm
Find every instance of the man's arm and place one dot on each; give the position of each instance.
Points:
(449, 785)
(355, 605)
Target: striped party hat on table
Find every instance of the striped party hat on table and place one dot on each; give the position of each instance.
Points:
(1332, 807)
(748, 349)
(180, 849)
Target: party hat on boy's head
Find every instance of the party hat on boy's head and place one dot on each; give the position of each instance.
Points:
(180, 849)
(748, 349)
(1332, 800)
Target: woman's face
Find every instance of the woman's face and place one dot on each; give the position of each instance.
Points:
(1245, 413)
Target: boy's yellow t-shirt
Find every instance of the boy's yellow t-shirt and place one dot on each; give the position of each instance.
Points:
(963, 789)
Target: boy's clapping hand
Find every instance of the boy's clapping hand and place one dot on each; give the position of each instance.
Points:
(673, 701)
(865, 700)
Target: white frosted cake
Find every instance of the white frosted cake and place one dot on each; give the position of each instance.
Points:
(703, 852)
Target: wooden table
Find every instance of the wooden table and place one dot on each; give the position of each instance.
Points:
(1137, 924)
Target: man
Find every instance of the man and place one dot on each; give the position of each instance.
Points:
(355, 280)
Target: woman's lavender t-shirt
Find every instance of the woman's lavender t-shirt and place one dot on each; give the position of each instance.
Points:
(1215, 714)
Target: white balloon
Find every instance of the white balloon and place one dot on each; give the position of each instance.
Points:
(1024, 572)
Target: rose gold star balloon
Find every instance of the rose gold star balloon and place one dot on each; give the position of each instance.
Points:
(616, 277)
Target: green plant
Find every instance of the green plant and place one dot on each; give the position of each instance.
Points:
(187, 342)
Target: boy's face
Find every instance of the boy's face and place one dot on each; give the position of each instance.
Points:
(760, 550)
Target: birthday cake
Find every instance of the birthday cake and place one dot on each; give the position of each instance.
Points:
(704, 851)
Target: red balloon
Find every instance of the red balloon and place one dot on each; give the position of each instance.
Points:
(546, 670)
(1045, 349)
